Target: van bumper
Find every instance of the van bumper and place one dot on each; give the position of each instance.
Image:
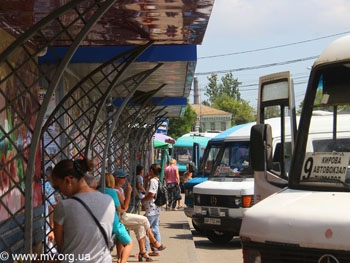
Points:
(188, 211)
(227, 224)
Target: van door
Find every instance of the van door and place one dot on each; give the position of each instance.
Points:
(276, 99)
(196, 155)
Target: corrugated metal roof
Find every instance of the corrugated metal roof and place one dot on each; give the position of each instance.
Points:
(203, 110)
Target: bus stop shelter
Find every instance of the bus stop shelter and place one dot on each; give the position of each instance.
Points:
(85, 78)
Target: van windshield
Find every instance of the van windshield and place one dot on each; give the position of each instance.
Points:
(327, 156)
(210, 156)
(325, 164)
(183, 155)
(233, 161)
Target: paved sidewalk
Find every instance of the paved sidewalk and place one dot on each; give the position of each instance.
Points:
(176, 235)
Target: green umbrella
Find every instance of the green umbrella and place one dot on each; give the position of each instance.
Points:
(161, 145)
(164, 146)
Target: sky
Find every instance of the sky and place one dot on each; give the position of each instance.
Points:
(246, 36)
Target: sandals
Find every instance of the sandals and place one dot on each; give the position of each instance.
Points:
(159, 248)
(145, 256)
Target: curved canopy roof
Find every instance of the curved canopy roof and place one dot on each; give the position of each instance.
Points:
(174, 27)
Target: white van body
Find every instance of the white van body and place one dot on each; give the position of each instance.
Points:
(303, 205)
(220, 202)
(308, 221)
(212, 198)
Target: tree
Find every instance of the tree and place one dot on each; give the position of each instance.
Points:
(272, 111)
(228, 85)
(182, 125)
(227, 97)
(241, 111)
(318, 99)
(206, 103)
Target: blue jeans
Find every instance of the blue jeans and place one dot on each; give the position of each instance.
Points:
(154, 223)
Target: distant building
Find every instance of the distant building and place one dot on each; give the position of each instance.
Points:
(211, 119)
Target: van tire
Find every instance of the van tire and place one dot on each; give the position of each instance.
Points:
(219, 237)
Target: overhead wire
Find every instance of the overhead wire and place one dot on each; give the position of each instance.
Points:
(273, 47)
(257, 67)
(264, 49)
(246, 87)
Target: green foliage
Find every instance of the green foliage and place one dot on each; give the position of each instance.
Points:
(272, 111)
(228, 85)
(227, 97)
(241, 111)
(318, 99)
(182, 125)
(206, 103)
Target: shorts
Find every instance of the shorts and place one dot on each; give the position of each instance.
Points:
(138, 223)
(121, 234)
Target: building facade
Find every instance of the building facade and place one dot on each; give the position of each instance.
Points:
(210, 119)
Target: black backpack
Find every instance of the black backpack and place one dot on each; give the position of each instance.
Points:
(161, 196)
(191, 167)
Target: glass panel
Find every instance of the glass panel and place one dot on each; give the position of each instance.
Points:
(212, 156)
(235, 161)
(275, 91)
(183, 155)
(327, 155)
(323, 159)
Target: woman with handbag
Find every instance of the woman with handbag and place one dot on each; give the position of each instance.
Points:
(83, 222)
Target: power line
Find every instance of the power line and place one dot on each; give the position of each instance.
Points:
(257, 67)
(273, 47)
(254, 87)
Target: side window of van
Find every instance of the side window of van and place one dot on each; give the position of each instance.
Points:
(278, 157)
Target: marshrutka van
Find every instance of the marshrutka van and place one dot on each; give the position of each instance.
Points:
(217, 205)
(220, 201)
(209, 158)
(183, 148)
(307, 220)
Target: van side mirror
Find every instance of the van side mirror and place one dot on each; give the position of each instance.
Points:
(261, 147)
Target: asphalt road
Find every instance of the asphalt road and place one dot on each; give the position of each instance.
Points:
(207, 251)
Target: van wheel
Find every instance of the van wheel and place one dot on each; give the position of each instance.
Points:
(219, 237)
(199, 230)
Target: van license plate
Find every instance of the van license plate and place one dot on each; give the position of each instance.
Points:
(212, 221)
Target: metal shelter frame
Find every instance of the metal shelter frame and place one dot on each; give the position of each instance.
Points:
(84, 121)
